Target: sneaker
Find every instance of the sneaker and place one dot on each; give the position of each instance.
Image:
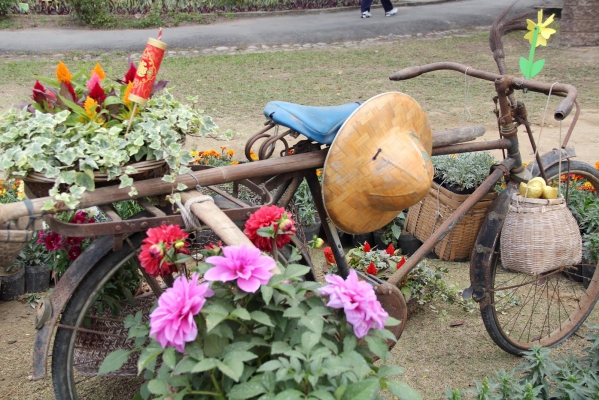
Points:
(391, 13)
(366, 14)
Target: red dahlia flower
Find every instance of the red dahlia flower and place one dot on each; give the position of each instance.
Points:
(265, 217)
(328, 255)
(155, 250)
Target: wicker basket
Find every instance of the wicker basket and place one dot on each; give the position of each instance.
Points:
(39, 185)
(426, 216)
(11, 243)
(539, 236)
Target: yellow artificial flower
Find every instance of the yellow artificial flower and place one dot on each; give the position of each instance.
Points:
(99, 71)
(126, 94)
(21, 190)
(62, 73)
(544, 32)
(193, 153)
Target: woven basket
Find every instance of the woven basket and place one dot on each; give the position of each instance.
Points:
(39, 184)
(92, 348)
(539, 236)
(426, 216)
(11, 243)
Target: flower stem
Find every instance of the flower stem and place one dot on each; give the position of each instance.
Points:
(217, 386)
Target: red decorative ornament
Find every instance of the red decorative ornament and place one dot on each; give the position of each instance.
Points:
(367, 247)
(371, 269)
(147, 70)
(400, 263)
(390, 250)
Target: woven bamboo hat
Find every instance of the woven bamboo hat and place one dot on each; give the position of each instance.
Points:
(378, 164)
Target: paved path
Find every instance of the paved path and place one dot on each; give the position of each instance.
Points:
(306, 27)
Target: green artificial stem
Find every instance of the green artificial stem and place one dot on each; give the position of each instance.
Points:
(533, 46)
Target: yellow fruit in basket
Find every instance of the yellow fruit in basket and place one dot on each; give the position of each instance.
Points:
(538, 179)
(549, 192)
(535, 190)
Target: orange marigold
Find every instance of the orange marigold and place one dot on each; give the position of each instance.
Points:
(597, 165)
(231, 153)
(62, 73)
(99, 71)
(234, 162)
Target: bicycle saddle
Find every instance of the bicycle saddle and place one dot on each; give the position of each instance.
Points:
(319, 124)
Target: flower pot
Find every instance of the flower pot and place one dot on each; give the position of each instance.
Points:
(588, 270)
(378, 240)
(359, 239)
(408, 244)
(37, 279)
(310, 230)
(13, 285)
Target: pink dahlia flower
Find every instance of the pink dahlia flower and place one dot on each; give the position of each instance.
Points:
(358, 300)
(172, 321)
(244, 263)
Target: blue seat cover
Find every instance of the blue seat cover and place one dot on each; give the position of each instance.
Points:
(319, 124)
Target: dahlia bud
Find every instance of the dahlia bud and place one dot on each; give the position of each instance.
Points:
(287, 227)
(156, 251)
(179, 244)
(318, 242)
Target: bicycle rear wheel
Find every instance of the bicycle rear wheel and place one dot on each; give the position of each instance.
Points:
(523, 310)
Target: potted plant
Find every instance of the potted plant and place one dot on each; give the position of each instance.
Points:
(456, 175)
(82, 128)
(35, 260)
(305, 211)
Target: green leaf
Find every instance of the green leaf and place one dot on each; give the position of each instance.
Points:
(267, 292)
(294, 270)
(114, 361)
(214, 345)
(537, 66)
(242, 314)
(377, 346)
(322, 395)
(215, 314)
(232, 368)
(261, 317)
(270, 366)
(169, 358)
(402, 390)
(392, 321)
(147, 355)
(85, 179)
(294, 312)
(389, 370)
(365, 389)
(525, 67)
(289, 394)
(246, 390)
(157, 386)
(309, 340)
(314, 324)
(205, 365)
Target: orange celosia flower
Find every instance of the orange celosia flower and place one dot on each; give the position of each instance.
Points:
(99, 71)
(62, 73)
(90, 107)
(126, 94)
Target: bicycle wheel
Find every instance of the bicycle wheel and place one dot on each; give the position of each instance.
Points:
(87, 335)
(523, 310)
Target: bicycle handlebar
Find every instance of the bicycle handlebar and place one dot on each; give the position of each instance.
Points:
(561, 111)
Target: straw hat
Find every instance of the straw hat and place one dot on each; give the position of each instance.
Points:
(378, 164)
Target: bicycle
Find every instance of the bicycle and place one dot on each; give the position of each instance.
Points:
(274, 181)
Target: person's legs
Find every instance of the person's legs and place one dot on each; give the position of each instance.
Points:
(386, 5)
(367, 3)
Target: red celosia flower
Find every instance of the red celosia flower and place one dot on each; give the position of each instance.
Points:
(73, 253)
(38, 92)
(79, 218)
(371, 269)
(390, 250)
(53, 241)
(70, 90)
(97, 93)
(401, 262)
(154, 248)
(130, 75)
(264, 217)
(328, 255)
(367, 247)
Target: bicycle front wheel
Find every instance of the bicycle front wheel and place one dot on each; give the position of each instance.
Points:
(524, 310)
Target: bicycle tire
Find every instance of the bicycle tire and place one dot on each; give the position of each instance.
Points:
(65, 378)
(517, 317)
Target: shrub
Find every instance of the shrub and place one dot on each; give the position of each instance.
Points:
(6, 6)
(94, 13)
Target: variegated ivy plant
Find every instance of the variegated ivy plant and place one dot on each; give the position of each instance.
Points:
(69, 149)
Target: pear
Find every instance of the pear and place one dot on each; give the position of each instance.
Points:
(549, 192)
(535, 189)
(538, 179)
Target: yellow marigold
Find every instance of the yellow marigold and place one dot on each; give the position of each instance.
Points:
(2, 191)
(21, 190)
(197, 160)
(253, 155)
(234, 162)
(126, 94)
(193, 153)
(62, 73)
(588, 186)
(318, 172)
(524, 164)
(453, 155)
(230, 153)
(99, 71)
(90, 107)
